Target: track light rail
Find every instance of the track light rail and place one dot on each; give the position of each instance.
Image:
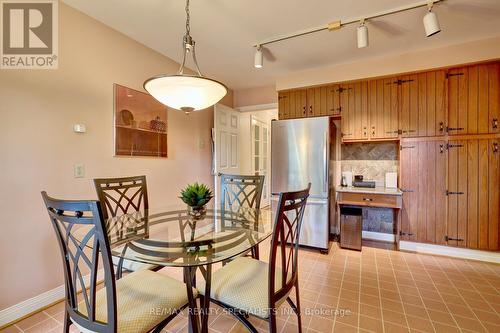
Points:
(339, 24)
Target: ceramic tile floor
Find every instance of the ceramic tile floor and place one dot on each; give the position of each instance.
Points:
(376, 290)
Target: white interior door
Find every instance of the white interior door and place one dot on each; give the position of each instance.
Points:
(226, 144)
(260, 155)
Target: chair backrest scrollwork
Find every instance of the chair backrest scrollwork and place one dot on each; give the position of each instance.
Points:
(122, 195)
(285, 242)
(82, 255)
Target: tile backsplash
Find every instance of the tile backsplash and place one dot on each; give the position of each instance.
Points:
(372, 160)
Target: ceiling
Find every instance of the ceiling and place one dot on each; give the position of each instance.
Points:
(225, 30)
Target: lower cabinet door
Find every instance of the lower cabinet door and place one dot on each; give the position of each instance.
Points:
(423, 182)
(473, 194)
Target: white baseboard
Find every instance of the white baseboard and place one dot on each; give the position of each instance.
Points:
(379, 236)
(35, 304)
(449, 251)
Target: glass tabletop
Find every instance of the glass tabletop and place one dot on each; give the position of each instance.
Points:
(174, 236)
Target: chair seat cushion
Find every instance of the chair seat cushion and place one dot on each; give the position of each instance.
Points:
(244, 284)
(143, 298)
(133, 266)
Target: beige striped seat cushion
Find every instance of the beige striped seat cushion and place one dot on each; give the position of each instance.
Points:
(144, 299)
(243, 284)
(132, 266)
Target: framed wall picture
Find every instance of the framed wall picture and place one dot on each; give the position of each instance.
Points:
(140, 124)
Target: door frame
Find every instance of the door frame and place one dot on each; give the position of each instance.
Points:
(262, 124)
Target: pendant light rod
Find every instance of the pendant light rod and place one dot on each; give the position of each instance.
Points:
(339, 24)
(188, 44)
(186, 92)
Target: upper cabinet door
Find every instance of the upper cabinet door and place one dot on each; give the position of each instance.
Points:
(283, 105)
(300, 103)
(423, 104)
(383, 108)
(474, 99)
(333, 100)
(354, 106)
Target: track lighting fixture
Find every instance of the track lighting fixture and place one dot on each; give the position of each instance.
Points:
(362, 34)
(431, 23)
(258, 59)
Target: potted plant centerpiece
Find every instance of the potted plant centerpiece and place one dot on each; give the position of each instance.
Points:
(196, 196)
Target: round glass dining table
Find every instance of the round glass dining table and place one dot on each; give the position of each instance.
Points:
(175, 236)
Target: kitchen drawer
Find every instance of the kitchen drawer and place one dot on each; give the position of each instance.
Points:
(371, 200)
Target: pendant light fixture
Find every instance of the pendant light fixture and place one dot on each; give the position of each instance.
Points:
(184, 91)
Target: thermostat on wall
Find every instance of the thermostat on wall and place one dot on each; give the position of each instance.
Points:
(79, 128)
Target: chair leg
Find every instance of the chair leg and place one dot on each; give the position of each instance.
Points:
(67, 322)
(255, 252)
(272, 323)
(297, 304)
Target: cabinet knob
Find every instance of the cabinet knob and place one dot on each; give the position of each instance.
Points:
(441, 126)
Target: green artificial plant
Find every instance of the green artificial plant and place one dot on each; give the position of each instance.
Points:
(196, 195)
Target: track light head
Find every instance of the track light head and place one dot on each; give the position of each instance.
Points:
(362, 32)
(431, 23)
(258, 58)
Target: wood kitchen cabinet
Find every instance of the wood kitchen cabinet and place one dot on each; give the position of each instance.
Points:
(383, 108)
(474, 99)
(423, 167)
(355, 116)
(333, 107)
(317, 101)
(310, 102)
(283, 105)
(422, 104)
(473, 193)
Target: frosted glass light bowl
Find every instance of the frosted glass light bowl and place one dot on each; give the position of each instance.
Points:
(185, 92)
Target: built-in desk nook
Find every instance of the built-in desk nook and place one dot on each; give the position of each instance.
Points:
(351, 200)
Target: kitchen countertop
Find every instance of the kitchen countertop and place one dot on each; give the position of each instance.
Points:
(376, 190)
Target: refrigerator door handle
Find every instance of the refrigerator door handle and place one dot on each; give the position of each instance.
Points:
(325, 156)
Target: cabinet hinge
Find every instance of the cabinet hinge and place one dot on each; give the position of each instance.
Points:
(342, 89)
(454, 129)
(448, 146)
(452, 193)
(400, 82)
(446, 238)
(405, 147)
(448, 75)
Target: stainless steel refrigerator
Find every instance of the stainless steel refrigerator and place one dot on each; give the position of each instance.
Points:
(300, 152)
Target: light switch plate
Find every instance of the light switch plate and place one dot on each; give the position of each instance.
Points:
(79, 170)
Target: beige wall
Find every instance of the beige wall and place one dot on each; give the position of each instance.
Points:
(447, 56)
(255, 96)
(38, 148)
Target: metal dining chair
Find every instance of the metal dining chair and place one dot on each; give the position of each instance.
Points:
(246, 286)
(242, 191)
(142, 301)
(120, 196)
